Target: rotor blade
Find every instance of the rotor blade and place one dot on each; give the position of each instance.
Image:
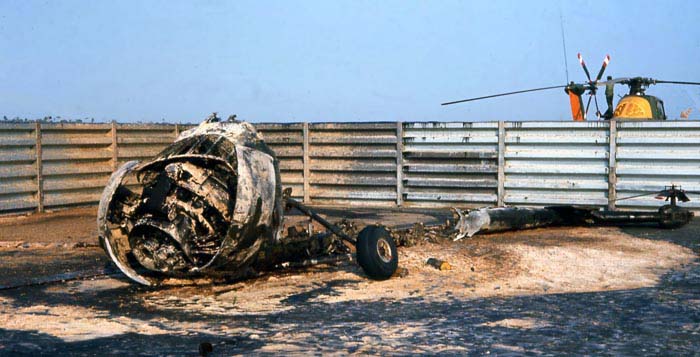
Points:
(587, 105)
(614, 80)
(502, 94)
(597, 110)
(583, 64)
(635, 196)
(606, 60)
(678, 82)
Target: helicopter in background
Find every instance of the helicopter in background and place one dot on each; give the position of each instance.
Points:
(635, 105)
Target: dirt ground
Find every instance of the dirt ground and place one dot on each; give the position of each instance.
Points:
(555, 290)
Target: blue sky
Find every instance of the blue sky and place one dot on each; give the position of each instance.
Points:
(282, 61)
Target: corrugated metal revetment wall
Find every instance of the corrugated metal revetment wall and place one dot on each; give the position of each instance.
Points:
(47, 165)
(556, 163)
(450, 163)
(383, 164)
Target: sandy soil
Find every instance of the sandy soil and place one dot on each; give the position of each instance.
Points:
(63, 226)
(555, 260)
(540, 262)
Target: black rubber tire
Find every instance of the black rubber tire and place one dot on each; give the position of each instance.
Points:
(368, 253)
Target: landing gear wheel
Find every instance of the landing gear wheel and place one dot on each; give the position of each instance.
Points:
(376, 252)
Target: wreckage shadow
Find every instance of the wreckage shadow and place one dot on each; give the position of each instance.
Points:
(329, 288)
(687, 235)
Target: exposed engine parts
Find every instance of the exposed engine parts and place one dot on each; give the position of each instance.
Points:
(206, 204)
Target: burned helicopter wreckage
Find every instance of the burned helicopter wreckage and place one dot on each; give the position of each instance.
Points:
(486, 220)
(206, 205)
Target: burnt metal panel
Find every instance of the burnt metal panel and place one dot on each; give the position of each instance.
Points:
(76, 162)
(287, 141)
(143, 141)
(450, 164)
(352, 164)
(18, 167)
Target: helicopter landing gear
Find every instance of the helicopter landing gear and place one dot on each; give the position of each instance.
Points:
(376, 250)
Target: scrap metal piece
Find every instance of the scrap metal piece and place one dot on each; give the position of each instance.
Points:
(438, 264)
(486, 220)
(503, 219)
(205, 204)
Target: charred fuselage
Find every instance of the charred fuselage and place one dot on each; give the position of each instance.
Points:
(205, 204)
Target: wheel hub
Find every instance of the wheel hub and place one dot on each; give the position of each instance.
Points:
(384, 250)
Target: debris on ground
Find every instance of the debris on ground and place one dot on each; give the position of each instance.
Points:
(438, 264)
(419, 233)
(489, 220)
(401, 272)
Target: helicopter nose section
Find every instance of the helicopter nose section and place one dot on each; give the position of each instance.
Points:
(206, 204)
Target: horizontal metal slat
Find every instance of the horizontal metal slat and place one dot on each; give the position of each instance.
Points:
(71, 167)
(263, 127)
(15, 186)
(353, 140)
(556, 167)
(10, 126)
(658, 153)
(63, 198)
(317, 192)
(664, 124)
(75, 182)
(451, 140)
(14, 154)
(517, 152)
(449, 125)
(21, 170)
(349, 153)
(451, 168)
(10, 203)
(451, 182)
(344, 165)
(538, 198)
(74, 140)
(451, 197)
(145, 140)
(554, 184)
(165, 128)
(579, 126)
(75, 127)
(340, 180)
(17, 142)
(669, 140)
(413, 153)
(287, 140)
(353, 126)
(70, 153)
